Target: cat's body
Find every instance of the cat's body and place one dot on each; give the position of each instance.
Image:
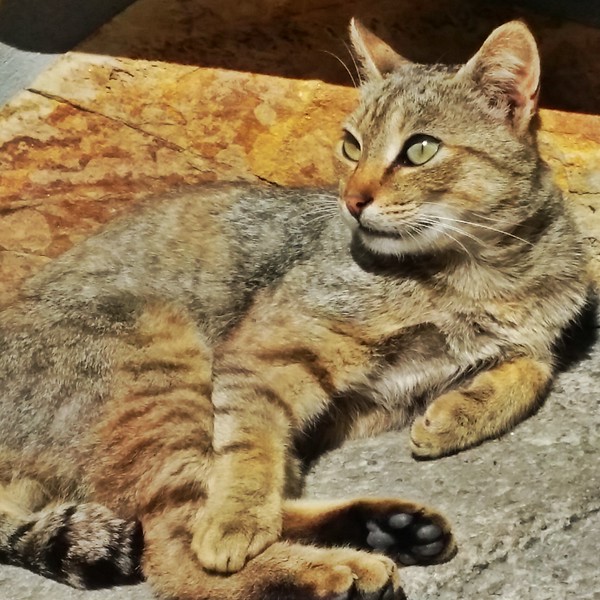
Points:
(173, 367)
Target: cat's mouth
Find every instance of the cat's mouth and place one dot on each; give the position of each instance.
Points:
(408, 231)
(401, 240)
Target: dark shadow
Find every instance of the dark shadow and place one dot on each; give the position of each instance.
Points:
(578, 339)
(53, 26)
(303, 40)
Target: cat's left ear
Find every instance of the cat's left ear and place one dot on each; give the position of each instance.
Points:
(376, 58)
(507, 71)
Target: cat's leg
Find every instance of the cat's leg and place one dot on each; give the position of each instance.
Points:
(152, 446)
(406, 532)
(283, 571)
(488, 406)
(272, 377)
(82, 545)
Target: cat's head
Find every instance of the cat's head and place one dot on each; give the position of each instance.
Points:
(441, 157)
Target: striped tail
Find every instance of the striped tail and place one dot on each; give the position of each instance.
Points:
(83, 545)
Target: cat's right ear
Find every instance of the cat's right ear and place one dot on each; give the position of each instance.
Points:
(376, 58)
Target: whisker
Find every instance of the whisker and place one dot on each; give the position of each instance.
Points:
(316, 217)
(410, 233)
(474, 238)
(479, 216)
(455, 229)
(488, 227)
(471, 236)
(343, 64)
(356, 67)
(495, 229)
(457, 242)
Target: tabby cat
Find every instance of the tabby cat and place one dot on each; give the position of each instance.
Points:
(163, 382)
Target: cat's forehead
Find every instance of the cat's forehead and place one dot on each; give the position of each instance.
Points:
(414, 96)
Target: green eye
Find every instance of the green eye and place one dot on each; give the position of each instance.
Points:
(419, 149)
(351, 147)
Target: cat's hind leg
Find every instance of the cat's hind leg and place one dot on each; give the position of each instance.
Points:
(488, 406)
(152, 446)
(284, 570)
(406, 532)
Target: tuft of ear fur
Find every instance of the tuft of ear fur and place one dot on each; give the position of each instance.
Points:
(376, 58)
(506, 69)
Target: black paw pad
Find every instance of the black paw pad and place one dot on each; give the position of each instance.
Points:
(410, 539)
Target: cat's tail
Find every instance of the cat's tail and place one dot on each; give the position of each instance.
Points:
(83, 545)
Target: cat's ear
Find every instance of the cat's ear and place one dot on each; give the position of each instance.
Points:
(376, 58)
(507, 70)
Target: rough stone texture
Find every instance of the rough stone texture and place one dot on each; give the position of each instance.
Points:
(176, 92)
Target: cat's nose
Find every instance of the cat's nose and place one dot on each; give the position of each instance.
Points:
(356, 203)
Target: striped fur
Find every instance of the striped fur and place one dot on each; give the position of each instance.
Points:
(172, 374)
(81, 544)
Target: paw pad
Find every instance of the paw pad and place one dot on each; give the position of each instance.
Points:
(409, 538)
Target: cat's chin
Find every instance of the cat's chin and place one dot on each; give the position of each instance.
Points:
(389, 244)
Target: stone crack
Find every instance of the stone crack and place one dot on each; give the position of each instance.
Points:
(168, 143)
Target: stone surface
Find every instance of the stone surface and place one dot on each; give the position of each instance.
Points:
(176, 92)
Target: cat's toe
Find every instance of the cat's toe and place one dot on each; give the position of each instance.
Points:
(386, 593)
(410, 539)
(389, 592)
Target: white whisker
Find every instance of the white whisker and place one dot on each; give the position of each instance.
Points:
(458, 242)
(343, 64)
(482, 226)
(356, 68)
(479, 216)
(318, 217)
(488, 227)
(444, 231)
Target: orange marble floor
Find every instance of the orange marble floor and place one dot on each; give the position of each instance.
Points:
(177, 92)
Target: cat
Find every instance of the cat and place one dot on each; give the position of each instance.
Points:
(165, 381)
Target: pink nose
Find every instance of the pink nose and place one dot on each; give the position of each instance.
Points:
(356, 203)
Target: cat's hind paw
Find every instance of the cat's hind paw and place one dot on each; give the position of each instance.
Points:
(344, 574)
(409, 539)
(406, 532)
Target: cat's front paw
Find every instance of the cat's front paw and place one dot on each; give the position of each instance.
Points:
(443, 429)
(224, 543)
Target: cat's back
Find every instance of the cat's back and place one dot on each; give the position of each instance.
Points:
(207, 247)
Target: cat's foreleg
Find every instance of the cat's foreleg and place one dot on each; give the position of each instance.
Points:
(491, 404)
(242, 515)
(270, 380)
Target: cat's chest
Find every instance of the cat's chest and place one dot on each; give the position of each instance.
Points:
(425, 359)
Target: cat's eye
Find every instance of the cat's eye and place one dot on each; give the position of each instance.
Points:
(351, 149)
(419, 149)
